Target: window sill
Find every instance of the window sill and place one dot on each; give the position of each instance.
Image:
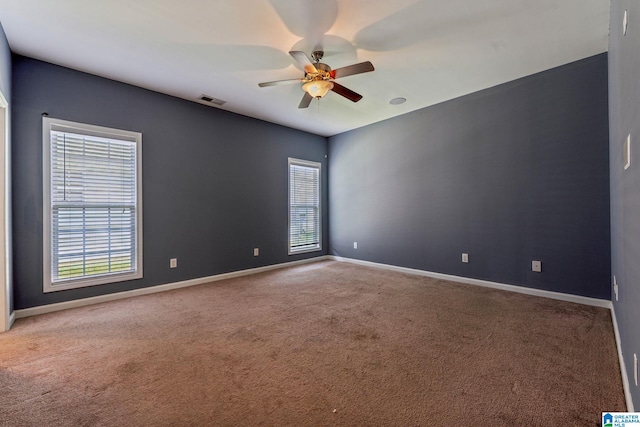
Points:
(304, 250)
(93, 281)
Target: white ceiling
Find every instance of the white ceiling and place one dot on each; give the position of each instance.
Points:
(426, 51)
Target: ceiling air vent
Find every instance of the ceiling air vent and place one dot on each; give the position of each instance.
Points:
(211, 100)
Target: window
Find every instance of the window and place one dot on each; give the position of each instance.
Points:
(304, 206)
(92, 205)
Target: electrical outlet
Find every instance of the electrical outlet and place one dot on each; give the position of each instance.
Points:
(355, 245)
(635, 368)
(536, 266)
(465, 258)
(173, 263)
(256, 251)
(615, 287)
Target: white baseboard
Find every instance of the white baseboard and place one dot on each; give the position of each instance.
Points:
(12, 319)
(495, 285)
(49, 308)
(33, 311)
(623, 368)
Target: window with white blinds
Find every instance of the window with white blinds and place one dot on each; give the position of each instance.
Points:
(304, 206)
(92, 217)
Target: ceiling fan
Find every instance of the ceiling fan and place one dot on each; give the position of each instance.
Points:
(319, 78)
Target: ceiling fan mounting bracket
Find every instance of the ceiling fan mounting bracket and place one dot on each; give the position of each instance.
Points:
(317, 55)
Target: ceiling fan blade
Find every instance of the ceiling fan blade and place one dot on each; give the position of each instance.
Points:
(347, 93)
(304, 60)
(279, 82)
(349, 70)
(306, 100)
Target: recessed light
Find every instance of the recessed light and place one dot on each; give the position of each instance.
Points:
(398, 101)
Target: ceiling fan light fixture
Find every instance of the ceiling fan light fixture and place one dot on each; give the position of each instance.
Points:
(317, 88)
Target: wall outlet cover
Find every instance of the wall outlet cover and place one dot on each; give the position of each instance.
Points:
(465, 258)
(173, 263)
(536, 266)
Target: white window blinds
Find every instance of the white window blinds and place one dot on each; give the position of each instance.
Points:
(304, 206)
(94, 229)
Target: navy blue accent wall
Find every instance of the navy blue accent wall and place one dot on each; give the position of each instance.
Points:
(624, 99)
(214, 183)
(511, 174)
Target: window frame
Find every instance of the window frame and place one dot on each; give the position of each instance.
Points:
(310, 164)
(51, 124)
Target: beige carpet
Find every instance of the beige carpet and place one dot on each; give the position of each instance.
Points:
(323, 344)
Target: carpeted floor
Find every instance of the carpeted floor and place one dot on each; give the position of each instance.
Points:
(323, 344)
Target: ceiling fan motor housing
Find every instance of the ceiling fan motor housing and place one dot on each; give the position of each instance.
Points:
(324, 72)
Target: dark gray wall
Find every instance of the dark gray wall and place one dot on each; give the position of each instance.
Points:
(624, 99)
(214, 183)
(511, 174)
(5, 88)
